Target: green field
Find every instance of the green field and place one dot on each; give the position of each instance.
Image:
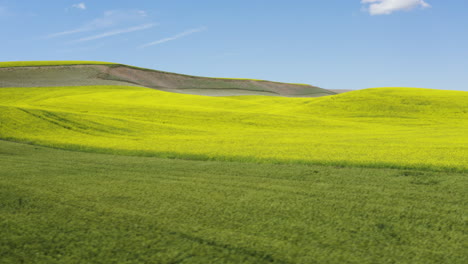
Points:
(72, 207)
(128, 174)
(387, 127)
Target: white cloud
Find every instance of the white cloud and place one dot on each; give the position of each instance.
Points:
(178, 36)
(116, 32)
(81, 6)
(108, 19)
(386, 7)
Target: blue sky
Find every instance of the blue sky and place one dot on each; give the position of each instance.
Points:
(335, 44)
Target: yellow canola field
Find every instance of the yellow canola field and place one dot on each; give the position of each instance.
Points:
(384, 127)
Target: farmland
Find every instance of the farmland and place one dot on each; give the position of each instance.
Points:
(119, 170)
(387, 127)
(234, 132)
(74, 207)
(88, 73)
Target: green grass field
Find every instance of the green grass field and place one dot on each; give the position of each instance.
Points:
(387, 127)
(61, 206)
(127, 174)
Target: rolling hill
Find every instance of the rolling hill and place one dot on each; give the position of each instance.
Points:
(102, 169)
(386, 127)
(85, 73)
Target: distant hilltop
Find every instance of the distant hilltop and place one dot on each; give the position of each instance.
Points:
(87, 73)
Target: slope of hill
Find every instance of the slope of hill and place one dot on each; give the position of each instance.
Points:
(392, 127)
(85, 73)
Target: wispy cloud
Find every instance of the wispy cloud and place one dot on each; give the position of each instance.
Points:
(68, 32)
(81, 6)
(178, 36)
(116, 32)
(108, 19)
(386, 7)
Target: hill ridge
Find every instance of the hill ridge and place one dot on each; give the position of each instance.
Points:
(85, 73)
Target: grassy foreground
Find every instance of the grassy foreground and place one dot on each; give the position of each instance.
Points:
(69, 207)
(388, 127)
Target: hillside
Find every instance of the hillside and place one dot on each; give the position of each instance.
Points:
(125, 173)
(87, 73)
(387, 127)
